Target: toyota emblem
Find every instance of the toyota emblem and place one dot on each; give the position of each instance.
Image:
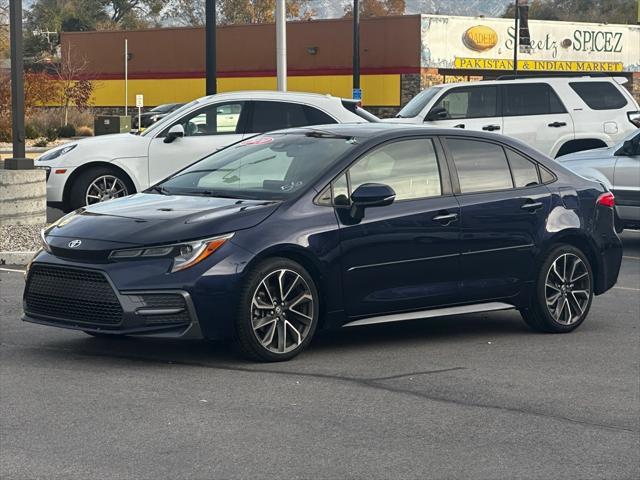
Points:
(75, 243)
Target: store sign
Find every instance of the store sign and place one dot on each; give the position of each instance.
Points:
(480, 38)
(579, 47)
(537, 65)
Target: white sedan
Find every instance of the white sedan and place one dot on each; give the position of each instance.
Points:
(111, 166)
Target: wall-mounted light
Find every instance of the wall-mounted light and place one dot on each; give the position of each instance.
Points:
(312, 50)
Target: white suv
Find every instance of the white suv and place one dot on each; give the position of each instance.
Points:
(110, 166)
(556, 115)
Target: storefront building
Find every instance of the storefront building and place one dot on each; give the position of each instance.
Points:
(399, 57)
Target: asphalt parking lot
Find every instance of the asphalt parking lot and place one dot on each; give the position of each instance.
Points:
(477, 397)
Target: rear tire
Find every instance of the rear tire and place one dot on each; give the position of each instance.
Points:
(277, 312)
(99, 179)
(563, 292)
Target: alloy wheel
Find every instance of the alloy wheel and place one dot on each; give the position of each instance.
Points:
(105, 187)
(567, 289)
(282, 311)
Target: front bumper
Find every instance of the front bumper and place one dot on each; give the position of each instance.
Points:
(56, 180)
(86, 299)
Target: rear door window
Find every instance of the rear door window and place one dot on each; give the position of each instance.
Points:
(530, 99)
(268, 116)
(317, 117)
(481, 166)
(599, 95)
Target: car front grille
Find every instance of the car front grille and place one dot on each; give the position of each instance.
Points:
(71, 294)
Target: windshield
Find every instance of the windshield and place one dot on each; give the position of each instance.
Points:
(266, 167)
(168, 119)
(417, 103)
(631, 136)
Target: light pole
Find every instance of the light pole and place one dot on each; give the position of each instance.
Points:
(210, 47)
(357, 93)
(281, 45)
(18, 162)
(516, 37)
(126, 77)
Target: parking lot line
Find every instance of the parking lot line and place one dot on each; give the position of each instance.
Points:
(631, 258)
(12, 270)
(628, 288)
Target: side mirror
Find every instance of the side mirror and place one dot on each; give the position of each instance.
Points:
(370, 195)
(437, 113)
(177, 131)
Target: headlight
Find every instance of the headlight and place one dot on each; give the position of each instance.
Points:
(184, 255)
(61, 222)
(57, 152)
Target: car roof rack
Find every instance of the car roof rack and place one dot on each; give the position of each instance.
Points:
(555, 75)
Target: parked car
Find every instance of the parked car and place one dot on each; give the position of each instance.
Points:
(112, 166)
(283, 234)
(155, 114)
(556, 115)
(618, 168)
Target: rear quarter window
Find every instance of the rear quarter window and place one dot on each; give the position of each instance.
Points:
(599, 95)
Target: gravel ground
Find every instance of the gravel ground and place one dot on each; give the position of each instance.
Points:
(20, 238)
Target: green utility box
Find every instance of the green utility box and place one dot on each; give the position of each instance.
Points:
(105, 124)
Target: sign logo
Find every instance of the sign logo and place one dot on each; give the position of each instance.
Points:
(480, 38)
(75, 243)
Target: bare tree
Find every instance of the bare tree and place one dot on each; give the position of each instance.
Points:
(73, 86)
(4, 29)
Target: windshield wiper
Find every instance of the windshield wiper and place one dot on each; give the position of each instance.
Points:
(323, 134)
(211, 193)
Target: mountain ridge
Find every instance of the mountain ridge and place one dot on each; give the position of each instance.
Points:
(467, 8)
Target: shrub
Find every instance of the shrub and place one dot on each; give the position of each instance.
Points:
(52, 134)
(67, 131)
(84, 131)
(5, 133)
(31, 132)
(41, 142)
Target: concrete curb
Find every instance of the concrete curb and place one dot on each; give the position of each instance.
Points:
(15, 258)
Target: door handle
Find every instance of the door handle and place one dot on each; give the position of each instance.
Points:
(491, 128)
(532, 206)
(558, 124)
(460, 125)
(445, 218)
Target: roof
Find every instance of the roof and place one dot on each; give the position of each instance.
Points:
(273, 94)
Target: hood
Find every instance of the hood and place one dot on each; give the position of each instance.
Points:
(150, 219)
(104, 147)
(595, 154)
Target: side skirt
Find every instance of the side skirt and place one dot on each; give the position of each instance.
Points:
(437, 312)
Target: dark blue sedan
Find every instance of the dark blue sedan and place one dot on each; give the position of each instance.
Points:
(273, 238)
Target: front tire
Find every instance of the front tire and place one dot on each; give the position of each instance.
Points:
(563, 292)
(278, 311)
(98, 184)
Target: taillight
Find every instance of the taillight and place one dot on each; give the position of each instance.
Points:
(607, 200)
(634, 117)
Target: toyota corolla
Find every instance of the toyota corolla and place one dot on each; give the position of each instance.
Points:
(273, 238)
